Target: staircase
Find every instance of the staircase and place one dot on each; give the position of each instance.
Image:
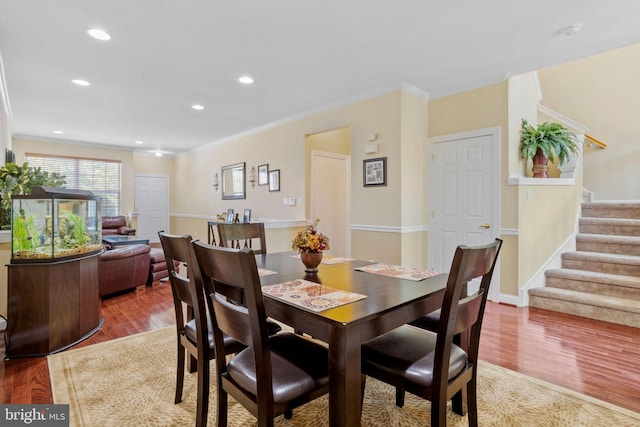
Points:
(601, 279)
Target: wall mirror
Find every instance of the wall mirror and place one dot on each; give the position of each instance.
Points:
(233, 182)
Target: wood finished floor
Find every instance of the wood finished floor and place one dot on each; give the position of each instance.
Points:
(595, 358)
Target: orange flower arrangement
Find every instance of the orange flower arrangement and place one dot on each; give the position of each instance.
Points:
(310, 240)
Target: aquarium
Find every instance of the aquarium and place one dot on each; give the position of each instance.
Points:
(53, 224)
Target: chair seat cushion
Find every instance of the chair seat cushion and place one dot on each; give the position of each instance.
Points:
(409, 352)
(298, 366)
(428, 322)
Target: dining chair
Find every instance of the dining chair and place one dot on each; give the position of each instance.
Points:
(231, 236)
(193, 325)
(429, 364)
(273, 375)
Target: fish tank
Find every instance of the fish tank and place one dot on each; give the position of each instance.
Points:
(53, 224)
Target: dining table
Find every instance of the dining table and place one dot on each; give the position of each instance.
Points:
(389, 302)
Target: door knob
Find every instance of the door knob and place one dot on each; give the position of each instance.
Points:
(485, 226)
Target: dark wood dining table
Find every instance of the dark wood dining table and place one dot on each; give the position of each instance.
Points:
(390, 303)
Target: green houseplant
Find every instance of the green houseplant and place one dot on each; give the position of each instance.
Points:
(546, 142)
(16, 179)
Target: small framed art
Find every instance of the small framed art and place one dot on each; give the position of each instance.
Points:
(247, 215)
(263, 174)
(229, 215)
(274, 180)
(374, 172)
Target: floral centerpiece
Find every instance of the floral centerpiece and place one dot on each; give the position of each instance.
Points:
(310, 243)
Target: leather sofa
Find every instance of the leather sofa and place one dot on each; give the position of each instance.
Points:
(116, 225)
(123, 268)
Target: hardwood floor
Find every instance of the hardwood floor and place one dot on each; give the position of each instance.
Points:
(595, 358)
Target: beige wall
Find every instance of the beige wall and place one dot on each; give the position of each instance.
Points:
(602, 93)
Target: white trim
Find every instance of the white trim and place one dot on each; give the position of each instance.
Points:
(4, 94)
(562, 119)
(407, 87)
(521, 180)
(508, 299)
(536, 82)
(388, 229)
(508, 231)
(537, 280)
(268, 223)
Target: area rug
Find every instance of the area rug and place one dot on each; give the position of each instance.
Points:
(131, 382)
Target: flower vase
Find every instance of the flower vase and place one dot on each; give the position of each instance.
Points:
(311, 261)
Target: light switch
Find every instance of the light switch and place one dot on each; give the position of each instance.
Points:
(285, 201)
(292, 201)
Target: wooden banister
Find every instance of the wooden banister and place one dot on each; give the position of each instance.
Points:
(595, 141)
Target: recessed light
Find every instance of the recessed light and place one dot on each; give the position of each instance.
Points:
(59, 132)
(139, 142)
(570, 30)
(197, 107)
(80, 82)
(158, 154)
(245, 80)
(99, 34)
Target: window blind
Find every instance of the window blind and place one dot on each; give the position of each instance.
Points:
(102, 177)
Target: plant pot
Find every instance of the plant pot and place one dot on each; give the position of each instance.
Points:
(311, 261)
(540, 165)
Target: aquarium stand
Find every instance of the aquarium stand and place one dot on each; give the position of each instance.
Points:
(52, 306)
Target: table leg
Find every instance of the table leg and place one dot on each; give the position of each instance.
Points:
(344, 377)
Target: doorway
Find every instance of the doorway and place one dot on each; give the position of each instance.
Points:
(151, 200)
(464, 196)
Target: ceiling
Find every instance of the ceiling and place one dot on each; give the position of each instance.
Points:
(167, 55)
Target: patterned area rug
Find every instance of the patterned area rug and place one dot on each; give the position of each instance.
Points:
(131, 382)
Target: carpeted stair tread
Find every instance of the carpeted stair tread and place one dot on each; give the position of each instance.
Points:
(595, 276)
(604, 301)
(602, 257)
(608, 238)
(611, 209)
(609, 243)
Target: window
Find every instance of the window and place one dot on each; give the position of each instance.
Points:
(102, 177)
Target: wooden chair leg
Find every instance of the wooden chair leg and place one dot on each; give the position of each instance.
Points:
(459, 402)
(439, 411)
(202, 406)
(179, 374)
(192, 364)
(472, 402)
(399, 397)
(288, 414)
(222, 406)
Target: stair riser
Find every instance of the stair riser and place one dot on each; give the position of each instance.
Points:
(593, 288)
(617, 230)
(602, 267)
(584, 310)
(608, 248)
(632, 211)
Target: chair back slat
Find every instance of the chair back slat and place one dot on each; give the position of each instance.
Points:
(241, 235)
(468, 312)
(231, 279)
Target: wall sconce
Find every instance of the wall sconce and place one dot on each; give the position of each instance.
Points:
(216, 182)
(252, 176)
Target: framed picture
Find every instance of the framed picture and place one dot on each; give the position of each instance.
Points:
(274, 180)
(263, 174)
(229, 215)
(247, 215)
(374, 172)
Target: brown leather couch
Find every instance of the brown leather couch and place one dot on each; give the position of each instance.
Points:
(116, 225)
(158, 268)
(123, 268)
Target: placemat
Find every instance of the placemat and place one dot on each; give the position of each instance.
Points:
(265, 272)
(328, 259)
(310, 295)
(415, 274)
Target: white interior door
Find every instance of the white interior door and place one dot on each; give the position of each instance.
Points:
(464, 196)
(330, 176)
(151, 199)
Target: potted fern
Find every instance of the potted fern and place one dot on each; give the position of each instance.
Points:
(546, 142)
